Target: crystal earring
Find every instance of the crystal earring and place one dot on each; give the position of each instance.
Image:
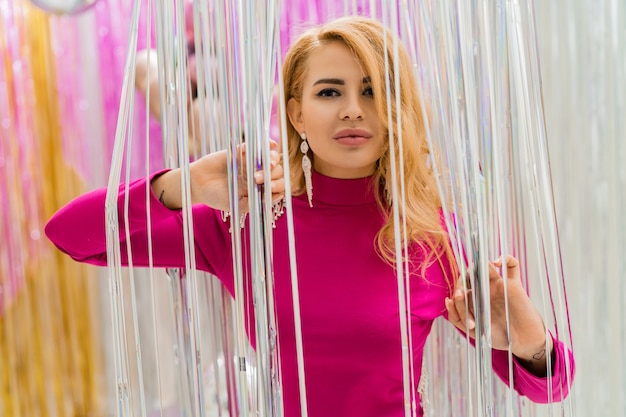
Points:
(306, 168)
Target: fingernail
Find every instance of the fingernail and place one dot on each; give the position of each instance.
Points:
(273, 164)
(471, 324)
(258, 176)
(458, 293)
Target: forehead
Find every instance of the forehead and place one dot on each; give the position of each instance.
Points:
(333, 60)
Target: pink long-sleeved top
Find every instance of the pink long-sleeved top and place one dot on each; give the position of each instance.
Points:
(348, 294)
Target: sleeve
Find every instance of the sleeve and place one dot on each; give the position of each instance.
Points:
(79, 230)
(539, 389)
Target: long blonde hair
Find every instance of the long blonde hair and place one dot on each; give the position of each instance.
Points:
(422, 208)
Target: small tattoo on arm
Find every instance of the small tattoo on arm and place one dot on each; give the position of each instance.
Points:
(161, 197)
(539, 355)
(535, 364)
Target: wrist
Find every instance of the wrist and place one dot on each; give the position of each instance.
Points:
(534, 358)
(536, 350)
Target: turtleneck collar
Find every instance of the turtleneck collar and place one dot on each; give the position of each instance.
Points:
(341, 192)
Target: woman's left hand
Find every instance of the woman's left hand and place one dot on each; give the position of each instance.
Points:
(527, 330)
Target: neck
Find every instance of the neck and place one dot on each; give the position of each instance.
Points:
(344, 173)
(339, 191)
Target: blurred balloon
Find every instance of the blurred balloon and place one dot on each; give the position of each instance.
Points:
(64, 6)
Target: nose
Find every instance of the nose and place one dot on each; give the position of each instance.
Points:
(353, 108)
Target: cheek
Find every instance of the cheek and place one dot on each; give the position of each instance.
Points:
(382, 143)
(316, 114)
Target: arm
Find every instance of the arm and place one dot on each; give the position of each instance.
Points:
(78, 229)
(528, 341)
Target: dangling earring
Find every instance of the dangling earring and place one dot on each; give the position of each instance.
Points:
(306, 168)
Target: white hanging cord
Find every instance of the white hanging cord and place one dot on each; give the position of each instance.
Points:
(408, 383)
(122, 371)
(152, 277)
(292, 250)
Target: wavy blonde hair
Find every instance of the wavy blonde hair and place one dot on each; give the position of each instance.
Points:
(422, 208)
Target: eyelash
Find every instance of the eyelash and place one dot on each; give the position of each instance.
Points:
(328, 92)
(331, 92)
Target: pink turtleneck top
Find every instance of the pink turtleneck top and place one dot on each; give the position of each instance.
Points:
(348, 294)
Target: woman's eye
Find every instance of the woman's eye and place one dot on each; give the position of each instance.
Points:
(368, 91)
(328, 92)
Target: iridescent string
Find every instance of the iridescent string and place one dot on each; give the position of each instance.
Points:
(295, 293)
(151, 272)
(585, 151)
(122, 372)
(501, 207)
(185, 284)
(397, 175)
(211, 140)
(543, 190)
(191, 281)
(165, 44)
(502, 197)
(231, 95)
(581, 51)
(257, 96)
(457, 161)
(128, 120)
(249, 42)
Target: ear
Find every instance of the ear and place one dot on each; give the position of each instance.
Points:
(294, 111)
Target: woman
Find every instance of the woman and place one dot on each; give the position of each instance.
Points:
(335, 95)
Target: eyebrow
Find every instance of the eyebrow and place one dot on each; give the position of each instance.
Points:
(339, 81)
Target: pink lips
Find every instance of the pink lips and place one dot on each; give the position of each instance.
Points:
(352, 137)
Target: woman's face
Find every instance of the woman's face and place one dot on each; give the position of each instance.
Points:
(338, 114)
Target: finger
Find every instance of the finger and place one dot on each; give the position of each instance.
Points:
(275, 156)
(278, 186)
(453, 315)
(511, 261)
(512, 265)
(461, 300)
(277, 171)
(276, 174)
(274, 160)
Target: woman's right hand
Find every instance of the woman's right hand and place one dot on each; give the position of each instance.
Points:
(209, 181)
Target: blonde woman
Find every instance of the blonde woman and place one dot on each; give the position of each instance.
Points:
(340, 166)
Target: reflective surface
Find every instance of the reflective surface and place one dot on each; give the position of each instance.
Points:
(64, 6)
